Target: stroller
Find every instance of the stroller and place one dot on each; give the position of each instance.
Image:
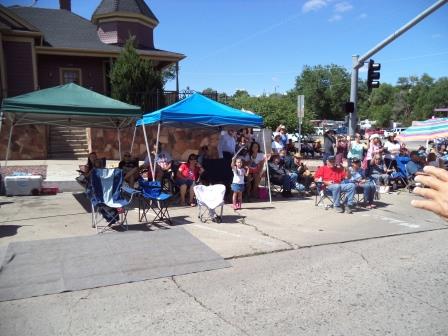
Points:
(209, 198)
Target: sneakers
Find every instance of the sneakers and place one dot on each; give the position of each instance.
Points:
(348, 209)
(338, 209)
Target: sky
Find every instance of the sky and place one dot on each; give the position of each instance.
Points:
(262, 45)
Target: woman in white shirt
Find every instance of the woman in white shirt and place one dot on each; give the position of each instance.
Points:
(277, 144)
(254, 160)
(391, 150)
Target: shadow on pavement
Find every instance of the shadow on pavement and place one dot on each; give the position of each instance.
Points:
(8, 230)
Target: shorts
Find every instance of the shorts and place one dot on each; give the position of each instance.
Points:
(180, 182)
(237, 187)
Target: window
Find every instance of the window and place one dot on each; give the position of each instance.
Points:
(70, 75)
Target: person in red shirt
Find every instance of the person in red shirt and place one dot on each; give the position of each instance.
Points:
(333, 177)
(187, 175)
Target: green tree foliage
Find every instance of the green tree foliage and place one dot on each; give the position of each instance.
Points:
(326, 89)
(131, 75)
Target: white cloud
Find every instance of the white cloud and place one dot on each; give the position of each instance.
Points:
(342, 7)
(335, 17)
(313, 5)
(362, 16)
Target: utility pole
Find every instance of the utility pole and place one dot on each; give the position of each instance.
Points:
(358, 62)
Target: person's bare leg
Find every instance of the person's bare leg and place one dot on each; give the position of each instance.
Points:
(192, 193)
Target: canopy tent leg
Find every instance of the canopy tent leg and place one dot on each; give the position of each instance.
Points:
(148, 153)
(9, 144)
(267, 167)
(157, 145)
(133, 138)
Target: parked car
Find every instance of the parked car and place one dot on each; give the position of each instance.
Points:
(319, 130)
(397, 130)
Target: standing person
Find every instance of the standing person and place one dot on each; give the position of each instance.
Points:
(341, 151)
(226, 151)
(227, 145)
(238, 182)
(242, 146)
(391, 150)
(375, 147)
(329, 142)
(355, 149)
(187, 175)
(283, 135)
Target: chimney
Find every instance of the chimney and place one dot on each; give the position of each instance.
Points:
(65, 4)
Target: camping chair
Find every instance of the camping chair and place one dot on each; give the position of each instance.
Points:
(209, 199)
(109, 207)
(402, 174)
(324, 197)
(152, 198)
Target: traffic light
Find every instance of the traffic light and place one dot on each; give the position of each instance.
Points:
(373, 75)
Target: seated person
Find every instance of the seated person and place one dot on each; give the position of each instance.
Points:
(187, 176)
(254, 160)
(290, 148)
(130, 168)
(278, 175)
(433, 160)
(368, 187)
(85, 170)
(332, 176)
(379, 172)
(416, 164)
(307, 149)
(163, 165)
(276, 144)
(302, 174)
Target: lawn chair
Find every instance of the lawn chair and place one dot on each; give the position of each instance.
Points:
(323, 196)
(109, 207)
(402, 174)
(152, 198)
(209, 199)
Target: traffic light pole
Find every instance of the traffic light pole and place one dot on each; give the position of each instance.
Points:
(358, 62)
(353, 121)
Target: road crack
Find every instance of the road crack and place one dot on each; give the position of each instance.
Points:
(390, 282)
(200, 303)
(291, 246)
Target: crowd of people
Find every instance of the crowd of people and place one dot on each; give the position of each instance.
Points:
(349, 166)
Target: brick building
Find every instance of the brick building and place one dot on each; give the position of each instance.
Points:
(42, 48)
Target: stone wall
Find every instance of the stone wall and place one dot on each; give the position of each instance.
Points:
(178, 142)
(28, 142)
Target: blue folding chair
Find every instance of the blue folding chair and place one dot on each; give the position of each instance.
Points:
(152, 198)
(109, 207)
(402, 174)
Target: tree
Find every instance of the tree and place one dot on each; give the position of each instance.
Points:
(131, 75)
(326, 89)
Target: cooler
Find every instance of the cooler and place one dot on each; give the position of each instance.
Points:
(22, 185)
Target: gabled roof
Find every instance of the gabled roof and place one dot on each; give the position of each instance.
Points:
(64, 29)
(128, 6)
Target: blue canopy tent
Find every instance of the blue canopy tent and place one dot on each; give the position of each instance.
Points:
(198, 111)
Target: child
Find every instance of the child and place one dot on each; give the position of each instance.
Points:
(238, 181)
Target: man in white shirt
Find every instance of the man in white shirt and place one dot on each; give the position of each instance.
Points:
(227, 145)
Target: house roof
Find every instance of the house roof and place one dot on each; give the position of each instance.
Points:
(64, 29)
(129, 6)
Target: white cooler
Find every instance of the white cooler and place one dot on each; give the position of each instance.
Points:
(22, 185)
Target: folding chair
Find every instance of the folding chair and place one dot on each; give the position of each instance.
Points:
(324, 197)
(209, 199)
(152, 198)
(109, 207)
(402, 174)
